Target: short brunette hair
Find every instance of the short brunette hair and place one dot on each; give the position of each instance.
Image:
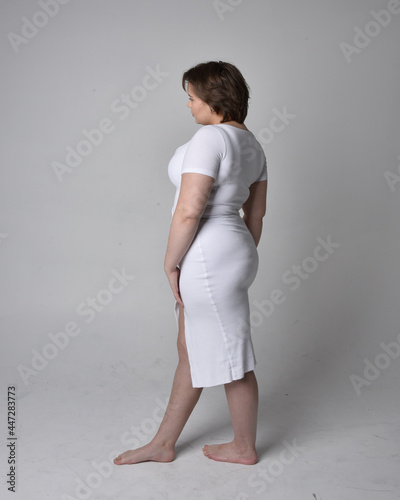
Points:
(222, 86)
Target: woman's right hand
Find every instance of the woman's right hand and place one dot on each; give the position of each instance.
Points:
(173, 278)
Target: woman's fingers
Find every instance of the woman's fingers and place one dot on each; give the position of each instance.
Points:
(178, 297)
(173, 278)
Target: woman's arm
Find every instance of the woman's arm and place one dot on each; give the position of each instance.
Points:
(254, 209)
(193, 196)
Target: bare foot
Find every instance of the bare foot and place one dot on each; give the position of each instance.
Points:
(150, 452)
(228, 452)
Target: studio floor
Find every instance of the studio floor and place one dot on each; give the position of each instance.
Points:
(316, 440)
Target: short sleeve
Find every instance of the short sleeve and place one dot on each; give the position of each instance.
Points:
(264, 174)
(204, 152)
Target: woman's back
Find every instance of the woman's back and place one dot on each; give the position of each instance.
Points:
(231, 155)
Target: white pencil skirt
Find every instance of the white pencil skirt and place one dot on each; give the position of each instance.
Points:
(216, 274)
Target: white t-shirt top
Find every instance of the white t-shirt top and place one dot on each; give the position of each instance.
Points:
(230, 155)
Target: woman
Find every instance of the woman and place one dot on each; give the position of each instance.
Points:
(211, 260)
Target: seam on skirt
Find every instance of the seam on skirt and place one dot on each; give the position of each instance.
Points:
(231, 364)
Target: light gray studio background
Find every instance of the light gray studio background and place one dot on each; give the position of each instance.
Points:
(87, 326)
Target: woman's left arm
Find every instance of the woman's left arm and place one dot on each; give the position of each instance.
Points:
(194, 193)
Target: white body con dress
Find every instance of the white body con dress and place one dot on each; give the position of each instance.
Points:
(222, 260)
